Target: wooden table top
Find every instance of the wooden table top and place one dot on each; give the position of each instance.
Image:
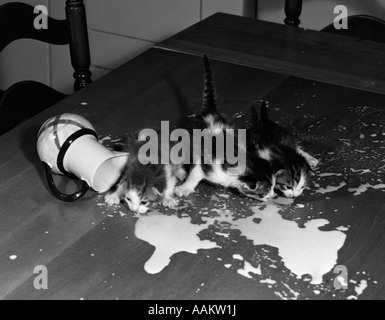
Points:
(93, 251)
(309, 54)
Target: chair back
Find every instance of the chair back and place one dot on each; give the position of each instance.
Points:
(17, 21)
(362, 27)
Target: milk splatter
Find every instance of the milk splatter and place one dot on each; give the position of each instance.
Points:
(343, 229)
(268, 281)
(284, 296)
(169, 235)
(361, 171)
(226, 235)
(248, 268)
(361, 287)
(365, 187)
(329, 189)
(322, 175)
(104, 139)
(303, 251)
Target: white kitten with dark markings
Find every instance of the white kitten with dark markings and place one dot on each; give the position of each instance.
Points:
(255, 180)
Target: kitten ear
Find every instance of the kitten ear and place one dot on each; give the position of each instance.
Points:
(281, 174)
(312, 172)
(156, 191)
(255, 113)
(264, 115)
(142, 136)
(259, 112)
(254, 186)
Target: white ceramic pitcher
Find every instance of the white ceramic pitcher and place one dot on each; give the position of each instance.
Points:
(68, 145)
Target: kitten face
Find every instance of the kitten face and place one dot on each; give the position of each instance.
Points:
(138, 201)
(259, 180)
(257, 188)
(277, 145)
(138, 181)
(291, 185)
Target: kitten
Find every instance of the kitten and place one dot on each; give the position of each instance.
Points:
(256, 181)
(140, 185)
(292, 165)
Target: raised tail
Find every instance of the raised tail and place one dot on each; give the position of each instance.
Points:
(209, 102)
(259, 113)
(254, 110)
(213, 119)
(264, 115)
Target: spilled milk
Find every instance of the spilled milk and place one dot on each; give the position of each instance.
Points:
(365, 187)
(304, 251)
(169, 235)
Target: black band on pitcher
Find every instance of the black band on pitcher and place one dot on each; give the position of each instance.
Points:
(68, 143)
(61, 196)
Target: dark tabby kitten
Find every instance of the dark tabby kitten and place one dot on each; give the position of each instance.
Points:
(291, 164)
(139, 184)
(256, 181)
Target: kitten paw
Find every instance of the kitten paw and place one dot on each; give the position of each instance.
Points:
(184, 191)
(112, 199)
(170, 202)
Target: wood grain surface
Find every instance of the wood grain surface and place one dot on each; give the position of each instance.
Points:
(330, 58)
(91, 251)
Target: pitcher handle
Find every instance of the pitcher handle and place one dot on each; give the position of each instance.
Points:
(61, 196)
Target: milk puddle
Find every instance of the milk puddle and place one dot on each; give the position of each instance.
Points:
(169, 235)
(304, 251)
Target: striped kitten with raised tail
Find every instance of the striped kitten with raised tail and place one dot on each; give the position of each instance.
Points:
(291, 164)
(255, 179)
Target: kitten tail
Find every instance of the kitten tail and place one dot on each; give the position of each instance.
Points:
(209, 103)
(264, 115)
(259, 112)
(254, 110)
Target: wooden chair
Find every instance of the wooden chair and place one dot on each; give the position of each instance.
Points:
(362, 27)
(293, 10)
(27, 98)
